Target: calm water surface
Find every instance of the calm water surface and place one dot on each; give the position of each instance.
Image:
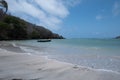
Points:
(95, 53)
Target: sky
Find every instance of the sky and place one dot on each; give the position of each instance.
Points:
(71, 18)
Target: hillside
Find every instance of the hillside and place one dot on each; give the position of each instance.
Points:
(14, 28)
(118, 37)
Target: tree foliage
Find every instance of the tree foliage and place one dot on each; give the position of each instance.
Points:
(4, 30)
(14, 28)
(4, 4)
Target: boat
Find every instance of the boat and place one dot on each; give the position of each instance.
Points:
(44, 40)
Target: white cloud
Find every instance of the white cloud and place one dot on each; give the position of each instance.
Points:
(48, 13)
(116, 8)
(99, 17)
(71, 2)
(53, 7)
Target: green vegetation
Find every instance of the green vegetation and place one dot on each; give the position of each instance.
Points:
(34, 35)
(13, 28)
(4, 30)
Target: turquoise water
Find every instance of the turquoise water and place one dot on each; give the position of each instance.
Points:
(94, 53)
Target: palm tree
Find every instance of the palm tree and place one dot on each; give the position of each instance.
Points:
(4, 4)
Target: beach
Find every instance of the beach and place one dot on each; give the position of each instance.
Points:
(17, 65)
(59, 39)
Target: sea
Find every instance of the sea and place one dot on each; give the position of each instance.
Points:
(100, 54)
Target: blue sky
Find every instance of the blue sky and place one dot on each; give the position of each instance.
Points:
(71, 18)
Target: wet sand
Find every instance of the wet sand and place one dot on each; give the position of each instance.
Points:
(21, 66)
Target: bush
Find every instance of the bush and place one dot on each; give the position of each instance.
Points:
(4, 30)
(18, 32)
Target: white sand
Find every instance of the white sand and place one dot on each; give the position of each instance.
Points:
(20, 66)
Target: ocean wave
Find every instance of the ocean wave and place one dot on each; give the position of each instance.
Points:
(14, 45)
(108, 71)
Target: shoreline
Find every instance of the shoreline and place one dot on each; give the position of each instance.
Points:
(51, 65)
(19, 49)
(22, 66)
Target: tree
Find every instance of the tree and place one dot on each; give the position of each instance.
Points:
(4, 29)
(4, 4)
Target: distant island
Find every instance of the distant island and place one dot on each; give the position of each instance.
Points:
(118, 37)
(14, 28)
